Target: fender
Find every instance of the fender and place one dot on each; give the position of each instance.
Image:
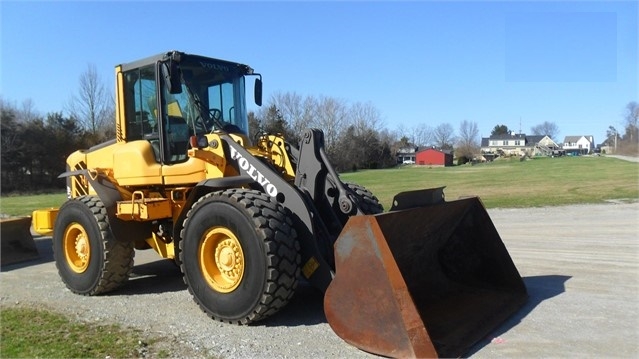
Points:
(109, 195)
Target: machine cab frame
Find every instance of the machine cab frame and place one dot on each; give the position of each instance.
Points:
(167, 98)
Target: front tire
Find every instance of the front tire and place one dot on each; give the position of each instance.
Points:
(369, 204)
(240, 255)
(89, 259)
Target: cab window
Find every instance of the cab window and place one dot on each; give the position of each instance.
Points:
(140, 103)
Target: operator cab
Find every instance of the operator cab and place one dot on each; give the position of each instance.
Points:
(168, 98)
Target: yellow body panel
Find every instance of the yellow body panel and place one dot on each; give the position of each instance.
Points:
(191, 171)
(101, 158)
(144, 209)
(134, 164)
(273, 147)
(43, 220)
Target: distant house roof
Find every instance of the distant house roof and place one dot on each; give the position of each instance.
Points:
(529, 140)
(573, 139)
(408, 149)
(508, 136)
(447, 152)
(534, 138)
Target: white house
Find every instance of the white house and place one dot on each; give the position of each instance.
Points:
(517, 144)
(579, 144)
(406, 154)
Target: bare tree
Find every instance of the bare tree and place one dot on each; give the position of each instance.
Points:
(351, 131)
(422, 135)
(468, 140)
(294, 111)
(28, 111)
(444, 136)
(632, 121)
(402, 131)
(549, 129)
(612, 135)
(364, 117)
(92, 106)
(332, 118)
(417, 135)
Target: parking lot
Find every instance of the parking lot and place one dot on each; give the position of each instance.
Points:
(581, 267)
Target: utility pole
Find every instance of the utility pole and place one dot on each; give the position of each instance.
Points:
(520, 125)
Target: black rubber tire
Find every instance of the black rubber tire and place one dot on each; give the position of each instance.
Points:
(110, 261)
(270, 255)
(369, 203)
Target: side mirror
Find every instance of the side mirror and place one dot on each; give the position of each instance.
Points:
(171, 74)
(258, 91)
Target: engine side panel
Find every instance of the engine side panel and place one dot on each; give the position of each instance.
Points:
(134, 164)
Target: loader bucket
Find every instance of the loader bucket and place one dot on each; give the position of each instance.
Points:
(16, 241)
(423, 282)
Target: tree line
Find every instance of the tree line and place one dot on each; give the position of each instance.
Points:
(34, 151)
(34, 148)
(626, 142)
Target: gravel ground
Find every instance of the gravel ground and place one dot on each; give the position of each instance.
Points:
(625, 158)
(580, 264)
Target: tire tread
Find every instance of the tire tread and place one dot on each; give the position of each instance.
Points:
(275, 228)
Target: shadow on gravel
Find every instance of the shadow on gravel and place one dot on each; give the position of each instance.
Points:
(160, 276)
(540, 288)
(45, 251)
(305, 308)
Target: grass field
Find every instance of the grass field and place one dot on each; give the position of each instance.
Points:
(504, 183)
(23, 205)
(39, 333)
(513, 183)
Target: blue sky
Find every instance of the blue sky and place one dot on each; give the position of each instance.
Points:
(515, 63)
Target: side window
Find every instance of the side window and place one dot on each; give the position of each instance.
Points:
(178, 112)
(140, 104)
(225, 103)
(221, 99)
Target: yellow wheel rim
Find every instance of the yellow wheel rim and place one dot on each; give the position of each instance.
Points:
(77, 249)
(221, 259)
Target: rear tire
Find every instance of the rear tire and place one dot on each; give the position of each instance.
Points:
(368, 202)
(240, 255)
(89, 259)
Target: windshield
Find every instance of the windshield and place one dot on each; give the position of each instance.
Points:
(212, 96)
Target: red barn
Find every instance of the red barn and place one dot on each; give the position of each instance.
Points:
(434, 157)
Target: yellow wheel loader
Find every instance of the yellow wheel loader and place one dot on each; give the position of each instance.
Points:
(247, 218)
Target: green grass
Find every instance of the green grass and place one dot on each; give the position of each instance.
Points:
(17, 205)
(36, 333)
(513, 183)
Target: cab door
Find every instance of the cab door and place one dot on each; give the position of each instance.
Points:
(136, 159)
